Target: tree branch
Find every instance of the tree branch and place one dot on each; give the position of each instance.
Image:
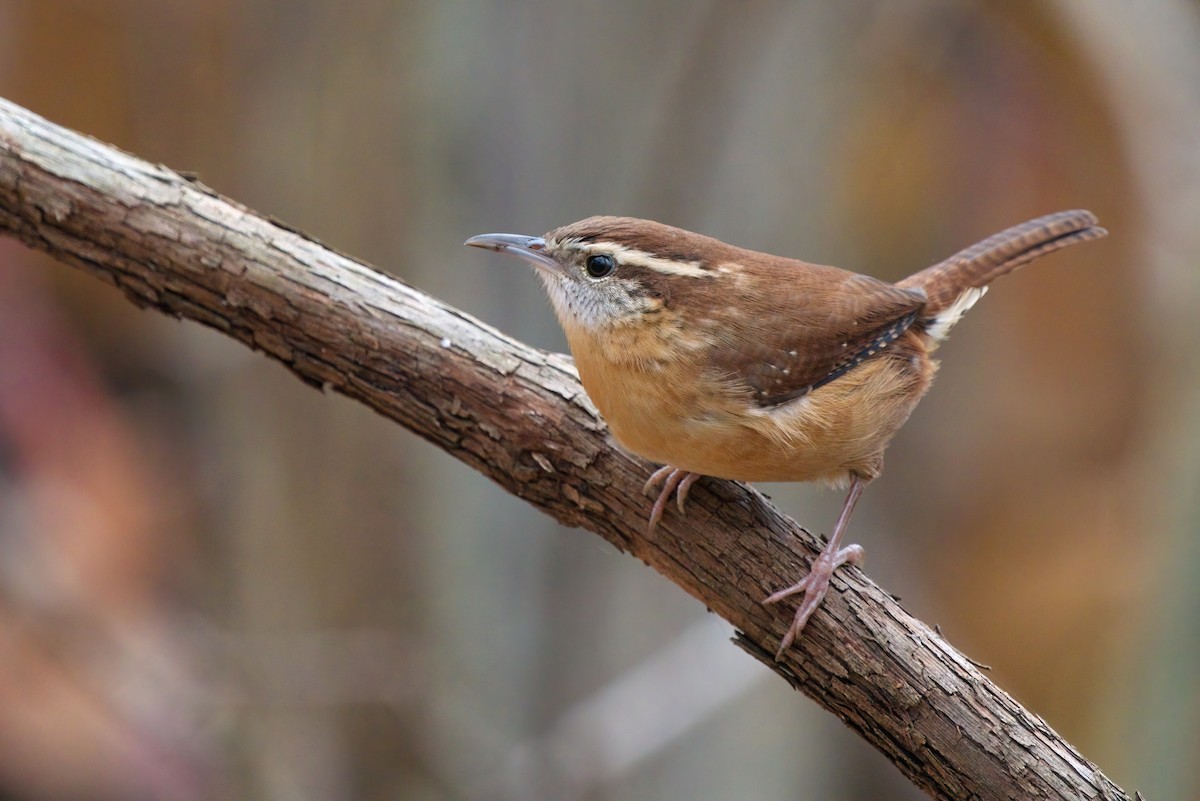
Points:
(519, 416)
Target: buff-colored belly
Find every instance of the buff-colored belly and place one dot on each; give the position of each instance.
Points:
(703, 427)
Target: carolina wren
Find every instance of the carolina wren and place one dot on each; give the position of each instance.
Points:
(719, 361)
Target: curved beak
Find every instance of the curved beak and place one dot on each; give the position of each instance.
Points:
(529, 248)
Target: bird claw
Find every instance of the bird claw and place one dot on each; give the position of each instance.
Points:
(673, 480)
(815, 586)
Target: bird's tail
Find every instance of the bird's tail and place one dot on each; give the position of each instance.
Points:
(954, 285)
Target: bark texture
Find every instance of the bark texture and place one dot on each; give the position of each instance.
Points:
(520, 417)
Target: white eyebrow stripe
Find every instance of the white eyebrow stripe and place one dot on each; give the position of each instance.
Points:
(640, 258)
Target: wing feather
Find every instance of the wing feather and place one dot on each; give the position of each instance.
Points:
(808, 333)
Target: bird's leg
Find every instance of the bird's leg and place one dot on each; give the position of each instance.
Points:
(673, 480)
(816, 583)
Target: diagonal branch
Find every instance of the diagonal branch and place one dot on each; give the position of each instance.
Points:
(519, 416)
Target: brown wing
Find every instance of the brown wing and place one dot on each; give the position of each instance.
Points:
(803, 334)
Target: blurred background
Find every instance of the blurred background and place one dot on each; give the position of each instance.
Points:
(217, 583)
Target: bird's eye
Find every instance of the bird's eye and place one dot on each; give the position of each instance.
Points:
(600, 265)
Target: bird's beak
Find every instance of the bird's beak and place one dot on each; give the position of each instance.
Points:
(529, 248)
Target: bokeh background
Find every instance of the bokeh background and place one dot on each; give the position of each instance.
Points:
(218, 583)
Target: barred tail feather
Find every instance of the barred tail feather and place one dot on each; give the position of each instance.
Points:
(954, 285)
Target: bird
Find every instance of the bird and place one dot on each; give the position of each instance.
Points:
(714, 360)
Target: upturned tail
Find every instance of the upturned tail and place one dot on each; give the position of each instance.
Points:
(954, 285)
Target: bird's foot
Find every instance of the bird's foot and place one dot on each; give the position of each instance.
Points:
(814, 586)
(673, 480)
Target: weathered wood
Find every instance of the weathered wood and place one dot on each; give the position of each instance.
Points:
(520, 417)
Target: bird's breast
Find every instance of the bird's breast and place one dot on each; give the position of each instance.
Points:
(672, 409)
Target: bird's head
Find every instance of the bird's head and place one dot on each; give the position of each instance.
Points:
(603, 272)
